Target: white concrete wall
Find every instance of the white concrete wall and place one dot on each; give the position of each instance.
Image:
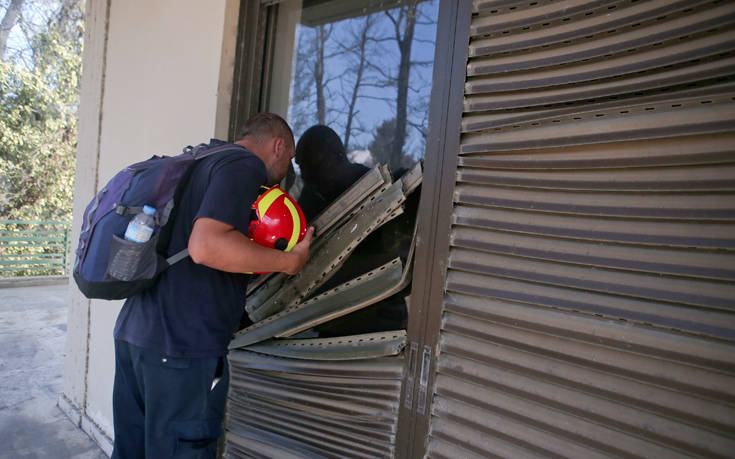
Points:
(157, 76)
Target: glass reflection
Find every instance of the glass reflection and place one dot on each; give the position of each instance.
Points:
(362, 68)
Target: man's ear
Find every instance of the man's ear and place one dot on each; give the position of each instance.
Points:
(278, 146)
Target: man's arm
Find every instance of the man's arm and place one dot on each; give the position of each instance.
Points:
(220, 246)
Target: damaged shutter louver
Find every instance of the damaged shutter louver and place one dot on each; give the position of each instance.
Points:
(590, 299)
(330, 396)
(283, 407)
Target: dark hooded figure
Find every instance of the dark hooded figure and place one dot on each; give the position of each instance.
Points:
(327, 173)
(325, 169)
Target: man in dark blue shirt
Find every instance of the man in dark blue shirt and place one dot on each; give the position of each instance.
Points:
(171, 374)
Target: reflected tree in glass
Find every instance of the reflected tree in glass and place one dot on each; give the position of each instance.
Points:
(368, 78)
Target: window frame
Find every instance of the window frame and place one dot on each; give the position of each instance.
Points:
(253, 67)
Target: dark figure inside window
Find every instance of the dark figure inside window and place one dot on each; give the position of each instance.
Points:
(327, 173)
(325, 169)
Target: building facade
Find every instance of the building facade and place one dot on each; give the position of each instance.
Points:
(572, 291)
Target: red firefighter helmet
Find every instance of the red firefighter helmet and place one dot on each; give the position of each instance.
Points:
(280, 223)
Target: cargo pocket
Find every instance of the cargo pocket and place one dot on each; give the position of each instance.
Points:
(196, 439)
(132, 260)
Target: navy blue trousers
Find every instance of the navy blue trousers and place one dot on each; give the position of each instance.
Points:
(166, 407)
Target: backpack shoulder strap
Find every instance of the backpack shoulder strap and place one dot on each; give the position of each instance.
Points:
(178, 256)
(203, 150)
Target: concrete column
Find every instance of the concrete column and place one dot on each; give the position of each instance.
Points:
(157, 75)
(73, 399)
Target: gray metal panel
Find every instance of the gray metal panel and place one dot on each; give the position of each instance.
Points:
(344, 206)
(353, 347)
(350, 296)
(590, 286)
(346, 298)
(312, 408)
(332, 253)
(350, 202)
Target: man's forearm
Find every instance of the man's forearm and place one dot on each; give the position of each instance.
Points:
(222, 247)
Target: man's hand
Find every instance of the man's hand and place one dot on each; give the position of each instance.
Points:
(301, 252)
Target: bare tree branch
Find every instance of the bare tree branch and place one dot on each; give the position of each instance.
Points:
(361, 54)
(404, 45)
(321, 37)
(8, 22)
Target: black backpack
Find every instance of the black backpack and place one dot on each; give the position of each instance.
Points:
(110, 267)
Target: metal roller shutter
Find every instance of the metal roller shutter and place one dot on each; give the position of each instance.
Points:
(590, 295)
(293, 407)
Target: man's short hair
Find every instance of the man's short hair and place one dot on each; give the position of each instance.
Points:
(263, 126)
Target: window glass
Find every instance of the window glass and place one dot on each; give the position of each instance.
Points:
(353, 78)
(362, 68)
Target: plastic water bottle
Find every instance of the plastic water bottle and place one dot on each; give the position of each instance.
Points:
(141, 227)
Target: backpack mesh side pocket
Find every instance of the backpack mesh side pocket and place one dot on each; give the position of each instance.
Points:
(131, 261)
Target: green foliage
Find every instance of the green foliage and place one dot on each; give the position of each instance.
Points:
(38, 128)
